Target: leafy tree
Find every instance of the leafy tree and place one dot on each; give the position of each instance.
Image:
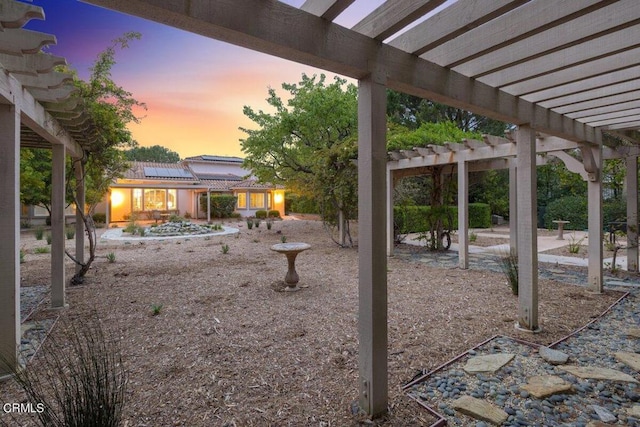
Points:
(35, 177)
(309, 143)
(110, 109)
(155, 153)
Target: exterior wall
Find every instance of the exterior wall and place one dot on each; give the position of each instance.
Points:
(121, 203)
(185, 201)
(269, 202)
(36, 215)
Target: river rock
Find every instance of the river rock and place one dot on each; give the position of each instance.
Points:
(555, 357)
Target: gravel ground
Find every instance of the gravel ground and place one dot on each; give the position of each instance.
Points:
(226, 349)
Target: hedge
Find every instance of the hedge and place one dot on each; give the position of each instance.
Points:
(415, 219)
(574, 209)
(222, 205)
(300, 204)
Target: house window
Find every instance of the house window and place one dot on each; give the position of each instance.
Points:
(172, 199)
(269, 202)
(257, 201)
(154, 199)
(242, 200)
(137, 199)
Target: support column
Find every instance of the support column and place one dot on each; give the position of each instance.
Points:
(592, 158)
(80, 208)
(58, 297)
(208, 206)
(10, 232)
(513, 208)
(390, 237)
(372, 259)
(631, 180)
(463, 214)
(527, 229)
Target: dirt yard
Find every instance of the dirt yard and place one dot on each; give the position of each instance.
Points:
(227, 349)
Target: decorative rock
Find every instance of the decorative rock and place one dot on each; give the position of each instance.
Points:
(630, 359)
(488, 363)
(604, 414)
(634, 411)
(555, 357)
(597, 424)
(634, 333)
(546, 385)
(480, 410)
(590, 372)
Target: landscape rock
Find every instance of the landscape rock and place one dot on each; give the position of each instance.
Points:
(555, 357)
(604, 414)
(480, 410)
(590, 372)
(542, 386)
(633, 333)
(488, 363)
(630, 359)
(634, 411)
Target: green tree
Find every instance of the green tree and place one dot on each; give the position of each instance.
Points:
(155, 153)
(110, 109)
(35, 177)
(309, 143)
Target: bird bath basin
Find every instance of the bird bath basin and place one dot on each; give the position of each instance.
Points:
(291, 251)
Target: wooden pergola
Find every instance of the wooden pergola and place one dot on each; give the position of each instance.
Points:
(37, 109)
(566, 69)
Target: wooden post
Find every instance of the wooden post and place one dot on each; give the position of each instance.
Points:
(513, 208)
(631, 180)
(372, 259)
(80, 208)
(463, 213)
(10, 232)
(390, 215)
(527, 229)
(58, 297)
(592, 158)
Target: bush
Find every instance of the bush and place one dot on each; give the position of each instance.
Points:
(80, 381)
(261, 214)
(300, 204)
(416, 219)
(570, 208)
(100, 218)
(614, 210)
(70, 232)
(273, 214)
(39, 233)
(222, 205)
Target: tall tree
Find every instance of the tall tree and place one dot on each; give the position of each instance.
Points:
(155, 153)
(110, 110)
(308, 143)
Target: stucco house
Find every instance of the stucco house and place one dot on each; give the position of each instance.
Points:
(166, 188)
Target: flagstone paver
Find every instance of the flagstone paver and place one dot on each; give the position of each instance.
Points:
(488, 363)
(480, 410)
(596, 373)
(542, 386)
(630, 359)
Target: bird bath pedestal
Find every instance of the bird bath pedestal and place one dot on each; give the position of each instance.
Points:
(291, 251)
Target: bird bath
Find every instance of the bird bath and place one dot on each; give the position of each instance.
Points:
(291, 251)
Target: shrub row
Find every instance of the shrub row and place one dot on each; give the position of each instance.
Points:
(222, 205)
(262, 214)
(574, 209)
(415, 219)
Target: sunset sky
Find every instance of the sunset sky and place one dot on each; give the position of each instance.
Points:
(194, 87)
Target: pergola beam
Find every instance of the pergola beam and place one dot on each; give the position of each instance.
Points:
(327, 9)
(392, 16)
(285, 31)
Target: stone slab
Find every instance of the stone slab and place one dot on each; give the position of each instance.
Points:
(555, 357)
(480, 410)
(590, 372)
(632, 360)
(634, 333)
(634, 411)
(488, 363)
(542, 386)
